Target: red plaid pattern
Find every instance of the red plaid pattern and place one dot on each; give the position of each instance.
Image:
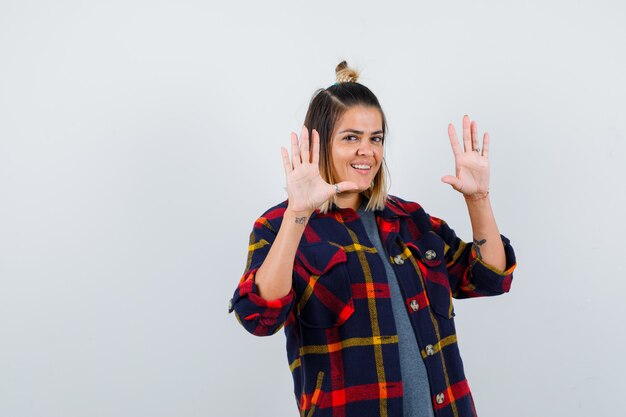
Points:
(338, 320)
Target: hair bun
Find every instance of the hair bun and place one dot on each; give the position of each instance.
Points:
(345, 74)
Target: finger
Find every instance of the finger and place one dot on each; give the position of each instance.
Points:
(474, 133)
(456, 183)
(486, 145)
(345, 186)
(295, 153)
(467, 137)
(304, 145)
(286, 161)
(454, 141)
(315, 148)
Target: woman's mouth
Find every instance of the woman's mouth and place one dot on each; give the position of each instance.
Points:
(361, 167)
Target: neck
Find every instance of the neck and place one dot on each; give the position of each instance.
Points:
(349, 200)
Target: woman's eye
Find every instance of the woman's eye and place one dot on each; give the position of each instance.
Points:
(377, 139)
(350, 138)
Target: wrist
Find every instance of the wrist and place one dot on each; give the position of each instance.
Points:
(298, 215)
(476, 196)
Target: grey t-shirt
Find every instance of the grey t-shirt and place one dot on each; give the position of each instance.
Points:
(417, 396)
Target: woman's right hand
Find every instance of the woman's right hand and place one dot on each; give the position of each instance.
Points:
(306, 190)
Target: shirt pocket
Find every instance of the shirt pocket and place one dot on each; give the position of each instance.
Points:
(322, 284)
(429, 256)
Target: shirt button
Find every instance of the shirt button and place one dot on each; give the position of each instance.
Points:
(430, 254)
(414, 305)
(430, 351)
(439, 398)
(398, 260)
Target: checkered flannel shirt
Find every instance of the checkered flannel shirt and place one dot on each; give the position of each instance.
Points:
(342, 343)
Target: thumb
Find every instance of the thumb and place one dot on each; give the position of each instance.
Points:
(456, 183)
(347, 186)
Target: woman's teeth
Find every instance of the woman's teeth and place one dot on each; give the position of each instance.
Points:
(361, 166)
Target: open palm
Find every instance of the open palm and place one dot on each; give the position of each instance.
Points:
(471, 164)
(306, 189)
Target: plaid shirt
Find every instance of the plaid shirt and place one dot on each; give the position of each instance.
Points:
(342, 342)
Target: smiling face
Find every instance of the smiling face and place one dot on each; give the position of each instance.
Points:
(357, 151)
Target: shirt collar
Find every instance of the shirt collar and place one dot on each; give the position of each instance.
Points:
(392, 210)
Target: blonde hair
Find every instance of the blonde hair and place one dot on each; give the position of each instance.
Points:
(327, 106)
(345, 74)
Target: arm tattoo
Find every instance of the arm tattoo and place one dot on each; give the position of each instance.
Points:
(300, 220)
(477, 245)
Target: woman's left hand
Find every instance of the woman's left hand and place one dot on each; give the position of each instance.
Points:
(472, 163)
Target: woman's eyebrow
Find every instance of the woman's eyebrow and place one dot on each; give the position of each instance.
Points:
(359, 132)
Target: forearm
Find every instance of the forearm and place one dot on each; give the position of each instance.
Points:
(274, 277)
(485, 232)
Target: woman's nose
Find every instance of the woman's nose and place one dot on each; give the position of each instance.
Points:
(365, 149)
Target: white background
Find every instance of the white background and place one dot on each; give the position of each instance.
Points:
(139, 140)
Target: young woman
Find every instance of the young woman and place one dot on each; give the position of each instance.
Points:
(362, 281)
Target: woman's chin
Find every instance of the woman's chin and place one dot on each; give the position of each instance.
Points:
(362, 186)
(361, 189)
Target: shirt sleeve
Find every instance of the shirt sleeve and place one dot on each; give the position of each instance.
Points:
(257, 315)
(469, 275)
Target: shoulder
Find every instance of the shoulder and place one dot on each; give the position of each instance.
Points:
(272, 217)
(412, 210)
(395, 203)
(276, 211)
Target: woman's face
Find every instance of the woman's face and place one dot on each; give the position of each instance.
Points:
(357, 150)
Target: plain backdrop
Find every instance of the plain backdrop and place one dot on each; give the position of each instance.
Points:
(139, 140)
